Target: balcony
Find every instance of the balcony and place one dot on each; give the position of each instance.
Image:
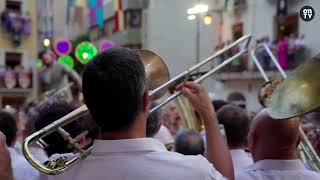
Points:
(244, 68)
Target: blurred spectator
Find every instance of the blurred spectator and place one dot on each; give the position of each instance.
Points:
(54, 143)
(37, 152)
(21, 168)
(283, 53)
(217, 104)
(236, 124)
(171, 118)
(189, 142)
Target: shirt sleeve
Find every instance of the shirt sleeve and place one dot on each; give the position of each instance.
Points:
(207, 169)
(70, 73)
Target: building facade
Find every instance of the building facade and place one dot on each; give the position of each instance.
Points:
(18, 50)
(163, 26)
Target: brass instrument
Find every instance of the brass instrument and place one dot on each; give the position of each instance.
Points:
(53, 96)
(158, 78)
(280, 103)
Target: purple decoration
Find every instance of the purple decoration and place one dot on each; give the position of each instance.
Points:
(106, 44)
(93, 19)
(100, 3)
(62, 47)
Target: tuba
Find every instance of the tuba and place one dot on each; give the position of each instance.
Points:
(276, 96)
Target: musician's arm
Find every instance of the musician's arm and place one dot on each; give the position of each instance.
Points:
(217, 150)
(73, 75)
(5, 160)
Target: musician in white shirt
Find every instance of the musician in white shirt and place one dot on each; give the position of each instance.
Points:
(114, 89)
(236, 123)
(273, 144)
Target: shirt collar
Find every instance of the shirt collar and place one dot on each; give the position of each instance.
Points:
(127, 145)
(272, 164)
(238, 151)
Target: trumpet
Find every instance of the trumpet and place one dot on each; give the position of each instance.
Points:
(306, 150)
(158, 82)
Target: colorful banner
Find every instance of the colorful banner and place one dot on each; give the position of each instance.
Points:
(96, 13)
(118, 16)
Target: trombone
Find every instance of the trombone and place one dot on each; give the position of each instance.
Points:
(306, 150)
(153, 66)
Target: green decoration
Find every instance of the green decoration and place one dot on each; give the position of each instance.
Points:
(85, 52)
(39, 63)
(67, 60)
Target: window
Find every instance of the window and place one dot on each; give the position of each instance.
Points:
(286, 26)
(13, 5)
(133, 18)
(12, 59)
(237, 30)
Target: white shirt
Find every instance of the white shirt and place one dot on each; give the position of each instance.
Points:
(277, 170)
(240, 159)
(138, 159)
(22, 170)
(164, 135)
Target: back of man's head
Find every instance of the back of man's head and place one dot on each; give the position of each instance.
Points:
(8, 127)
(218, 104)
(236, 124)
(273, 139)
(189, 142)
(114, 83)
(153, 122)
(55, 142)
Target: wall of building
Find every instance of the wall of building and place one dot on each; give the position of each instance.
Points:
(28, 44)
(258, 19)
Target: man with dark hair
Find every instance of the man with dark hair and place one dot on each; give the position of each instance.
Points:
(115, 91)
(54, 143)
(189, 142)
(153, 122)
(52, 74)
(236, 123)
(274, 145)
(21, 168)
(217, 104)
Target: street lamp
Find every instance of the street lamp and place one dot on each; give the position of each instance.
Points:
(46, 42)
(207, 20)
(194, 13)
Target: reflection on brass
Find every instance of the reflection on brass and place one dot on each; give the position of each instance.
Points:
(267, 90)
(299, 93)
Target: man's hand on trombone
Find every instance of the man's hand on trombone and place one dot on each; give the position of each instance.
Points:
(217, 150)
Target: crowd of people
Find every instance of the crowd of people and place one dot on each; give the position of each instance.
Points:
(290, 51)
(129, 143)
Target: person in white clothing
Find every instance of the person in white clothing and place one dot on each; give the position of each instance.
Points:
(236, 123)
(21, 168)
(115, 91)
(273, 144)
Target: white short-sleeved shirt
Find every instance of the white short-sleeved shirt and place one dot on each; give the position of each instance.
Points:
(139, 159)
(277, 170)
(240, 159)
(22, 170)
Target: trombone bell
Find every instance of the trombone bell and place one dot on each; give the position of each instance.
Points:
(299, 93)
(156, 71)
